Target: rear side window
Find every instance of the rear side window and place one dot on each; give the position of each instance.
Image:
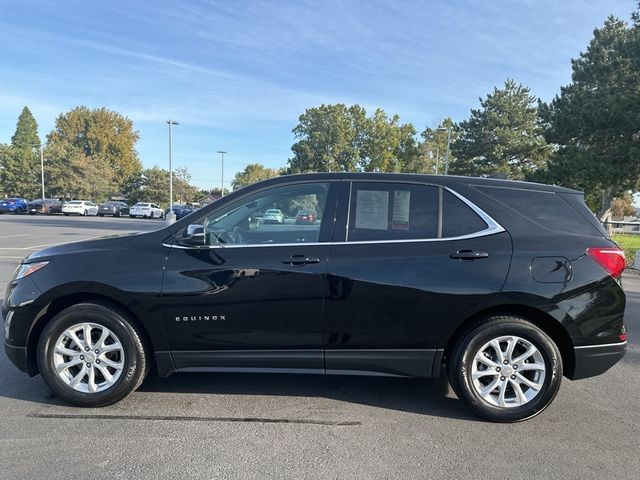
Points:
(576, 200)
(392, 211)
(458, 219)
(547, 209)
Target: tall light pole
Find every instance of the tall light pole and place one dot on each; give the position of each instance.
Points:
(222, 172)
(171, 215)
(42, 168)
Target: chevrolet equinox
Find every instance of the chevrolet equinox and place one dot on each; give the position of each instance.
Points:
(499, 287)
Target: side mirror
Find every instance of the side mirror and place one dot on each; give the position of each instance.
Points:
(194, 236)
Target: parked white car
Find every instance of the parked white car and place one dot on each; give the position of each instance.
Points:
(146, 210)
(273, 215)
(79, 207)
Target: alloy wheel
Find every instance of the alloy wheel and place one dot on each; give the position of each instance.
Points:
(88, 357)
(508, 371)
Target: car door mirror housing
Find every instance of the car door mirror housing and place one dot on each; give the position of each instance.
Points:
(193, 236)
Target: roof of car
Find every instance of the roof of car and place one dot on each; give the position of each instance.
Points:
(445, 180)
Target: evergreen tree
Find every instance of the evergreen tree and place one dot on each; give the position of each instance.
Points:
(26, 135)
(20, 161)
(503, 136)
(594, 120)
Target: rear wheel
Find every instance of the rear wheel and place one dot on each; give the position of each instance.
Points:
(505, 368)
(66, 214)
(85, 213)
(152, 214)
(90, 355)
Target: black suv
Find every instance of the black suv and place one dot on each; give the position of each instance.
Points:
(500, 287)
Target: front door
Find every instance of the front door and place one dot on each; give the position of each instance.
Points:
(250, 297)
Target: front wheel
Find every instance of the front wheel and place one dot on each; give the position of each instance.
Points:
(91, 356)
(505, 368)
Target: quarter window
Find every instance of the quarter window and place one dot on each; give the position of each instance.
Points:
(457, 218)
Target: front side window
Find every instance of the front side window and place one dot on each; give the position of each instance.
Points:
(392, 211)
(269, 217)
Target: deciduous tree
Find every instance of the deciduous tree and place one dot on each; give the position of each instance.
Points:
(340, 138)
(105, 138)
(330, 139)
(387, 144)
(252, 173)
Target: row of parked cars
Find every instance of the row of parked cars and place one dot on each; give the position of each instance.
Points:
(50, 206)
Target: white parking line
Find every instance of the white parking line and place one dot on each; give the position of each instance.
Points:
(17, 235)
(35, 247)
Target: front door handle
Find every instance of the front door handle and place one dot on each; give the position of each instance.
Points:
(468, 255)
(300, 260)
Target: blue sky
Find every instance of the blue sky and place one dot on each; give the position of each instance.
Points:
(237, 74)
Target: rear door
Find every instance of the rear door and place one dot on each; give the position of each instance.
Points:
(412, 261)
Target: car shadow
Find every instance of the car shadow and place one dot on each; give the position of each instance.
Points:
(400, 394)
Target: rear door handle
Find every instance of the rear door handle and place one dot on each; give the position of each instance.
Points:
(468, 255)
(300, 260)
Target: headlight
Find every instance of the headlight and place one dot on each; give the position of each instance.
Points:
(28, 268)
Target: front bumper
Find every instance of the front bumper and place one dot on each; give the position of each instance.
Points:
(18, 356)
(592, 360)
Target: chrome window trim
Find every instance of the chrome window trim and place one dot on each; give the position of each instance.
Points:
(619, 344)
(493, 228)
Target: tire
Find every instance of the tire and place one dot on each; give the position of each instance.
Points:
(131, 216)
(152, 215)
(131, 358)
(85, 214)
(66, 214)
(117, 214)
(100, 215)
(472, 349)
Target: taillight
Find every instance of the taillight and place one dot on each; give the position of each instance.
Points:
(610, 258)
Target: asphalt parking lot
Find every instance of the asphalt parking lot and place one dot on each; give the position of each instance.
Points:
(268, 426)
